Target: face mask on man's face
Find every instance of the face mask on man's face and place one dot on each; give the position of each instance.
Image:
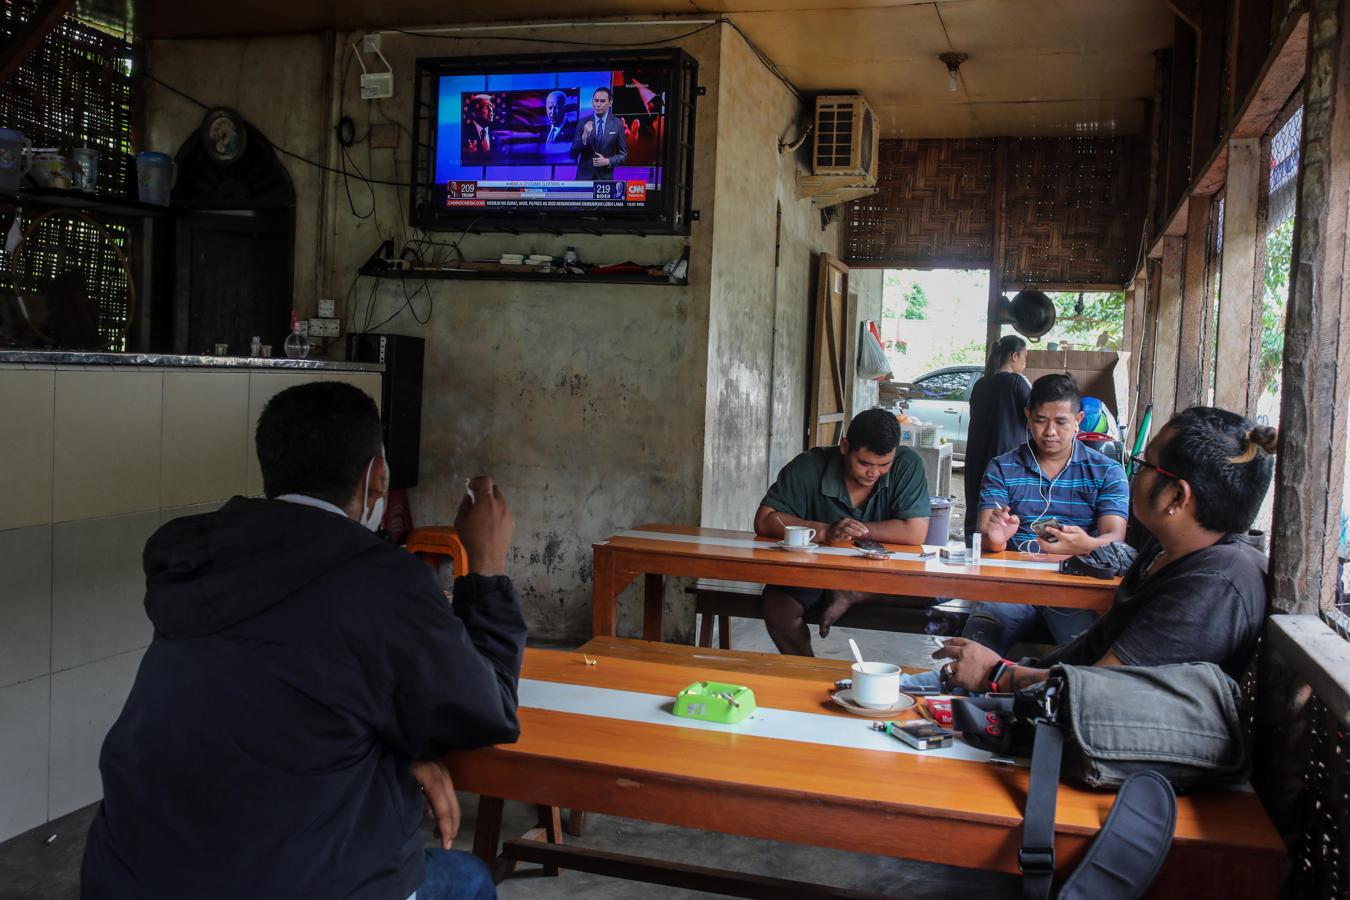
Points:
(371, 518)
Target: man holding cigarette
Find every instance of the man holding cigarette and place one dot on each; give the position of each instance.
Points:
(867, 488)
(283, 736)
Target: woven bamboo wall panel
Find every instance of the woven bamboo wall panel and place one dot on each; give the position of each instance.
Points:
(933, 209)
(74, 90)
(1069, 217)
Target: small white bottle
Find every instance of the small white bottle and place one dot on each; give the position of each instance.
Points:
(570, 257)
(255, 346)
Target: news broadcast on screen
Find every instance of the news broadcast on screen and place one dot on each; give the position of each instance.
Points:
(534, 140)
(522, 137)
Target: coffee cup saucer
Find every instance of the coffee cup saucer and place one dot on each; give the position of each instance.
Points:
(845, 699)
(783, 545)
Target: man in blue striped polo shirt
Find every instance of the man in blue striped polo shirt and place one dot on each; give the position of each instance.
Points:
(1052, 476)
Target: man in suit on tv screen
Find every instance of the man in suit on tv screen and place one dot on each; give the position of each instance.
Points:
(601, 143)
(560, 129)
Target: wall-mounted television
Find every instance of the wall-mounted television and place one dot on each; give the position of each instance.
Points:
(583, 142)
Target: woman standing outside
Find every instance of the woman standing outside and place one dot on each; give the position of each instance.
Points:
(998, 420)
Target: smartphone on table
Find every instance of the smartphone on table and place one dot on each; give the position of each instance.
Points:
(921, 734)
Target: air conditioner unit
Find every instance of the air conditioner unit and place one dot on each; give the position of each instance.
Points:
(844, 155)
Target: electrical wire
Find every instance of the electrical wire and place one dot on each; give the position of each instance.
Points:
(345, 134)
(277, 147)
(480, 36)
(763, 58)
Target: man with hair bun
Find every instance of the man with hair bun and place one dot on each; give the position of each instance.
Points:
(1196, 591)
(869, 487)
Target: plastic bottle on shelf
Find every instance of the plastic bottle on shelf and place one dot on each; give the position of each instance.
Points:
(570, 257)
(297, 343)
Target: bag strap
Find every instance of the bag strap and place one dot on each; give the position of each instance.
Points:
(1036, 859)
(1129, 849)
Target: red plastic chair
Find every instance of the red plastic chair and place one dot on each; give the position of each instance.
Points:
(435, 543)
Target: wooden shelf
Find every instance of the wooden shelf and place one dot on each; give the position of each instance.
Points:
(550, 277)
(94, 203)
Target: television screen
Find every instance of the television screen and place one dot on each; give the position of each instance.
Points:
(594, 142)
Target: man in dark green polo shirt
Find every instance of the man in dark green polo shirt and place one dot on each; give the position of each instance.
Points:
(868, 487)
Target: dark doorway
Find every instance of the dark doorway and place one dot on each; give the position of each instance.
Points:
(233, 280)
(233, 248)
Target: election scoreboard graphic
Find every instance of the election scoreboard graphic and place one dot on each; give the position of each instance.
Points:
(543, 194)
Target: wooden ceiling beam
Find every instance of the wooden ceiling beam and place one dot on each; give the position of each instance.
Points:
(27, 36)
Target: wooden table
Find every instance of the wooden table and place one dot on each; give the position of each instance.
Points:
(623, 557)
(913, 806)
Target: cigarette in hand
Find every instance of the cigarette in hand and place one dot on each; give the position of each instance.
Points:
(468, 490)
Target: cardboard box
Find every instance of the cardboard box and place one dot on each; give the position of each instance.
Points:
(1103, 374)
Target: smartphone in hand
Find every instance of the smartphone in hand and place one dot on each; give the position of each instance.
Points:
(1040, 527)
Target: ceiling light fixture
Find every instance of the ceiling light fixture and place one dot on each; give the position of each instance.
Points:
(953, 62)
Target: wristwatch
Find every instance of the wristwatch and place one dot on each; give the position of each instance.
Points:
(997, 672)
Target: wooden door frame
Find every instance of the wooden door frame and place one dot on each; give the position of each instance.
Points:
(823, 339)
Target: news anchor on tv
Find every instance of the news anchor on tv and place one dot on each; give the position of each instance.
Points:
(601, 142)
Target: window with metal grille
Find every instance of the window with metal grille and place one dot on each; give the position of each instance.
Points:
(1284, 146)
(74, 90)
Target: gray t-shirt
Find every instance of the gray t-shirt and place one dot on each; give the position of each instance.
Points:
(1208, 606)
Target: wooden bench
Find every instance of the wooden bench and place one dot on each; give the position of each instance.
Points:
(720, 600)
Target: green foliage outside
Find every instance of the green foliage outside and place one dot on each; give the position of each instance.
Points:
(1279, 253)
(916, 303)
(1103, 314)
(971, 354)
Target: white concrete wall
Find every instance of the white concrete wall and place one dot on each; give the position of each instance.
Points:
(101, 457)
(598, 407)
(584, 401)
(761, 309)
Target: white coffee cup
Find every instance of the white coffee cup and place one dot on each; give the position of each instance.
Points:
(876, 685)
(798, 535)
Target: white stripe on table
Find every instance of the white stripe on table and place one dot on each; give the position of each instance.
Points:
(745, 544)
(780, 724)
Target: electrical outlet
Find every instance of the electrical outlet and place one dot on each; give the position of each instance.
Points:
(323, 327)
(377, 86)
(371, 42)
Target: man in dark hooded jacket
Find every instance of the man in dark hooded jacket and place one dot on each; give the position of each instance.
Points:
(303, 678)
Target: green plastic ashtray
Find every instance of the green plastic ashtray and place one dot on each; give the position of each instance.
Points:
(713, 701)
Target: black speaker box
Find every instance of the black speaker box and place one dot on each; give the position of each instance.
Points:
(400, 400)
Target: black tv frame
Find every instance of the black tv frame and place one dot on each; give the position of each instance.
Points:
(674, 214)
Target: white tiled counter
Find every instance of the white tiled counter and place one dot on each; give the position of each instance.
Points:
(99, 450)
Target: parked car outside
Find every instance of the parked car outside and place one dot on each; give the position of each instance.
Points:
(946, 402)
